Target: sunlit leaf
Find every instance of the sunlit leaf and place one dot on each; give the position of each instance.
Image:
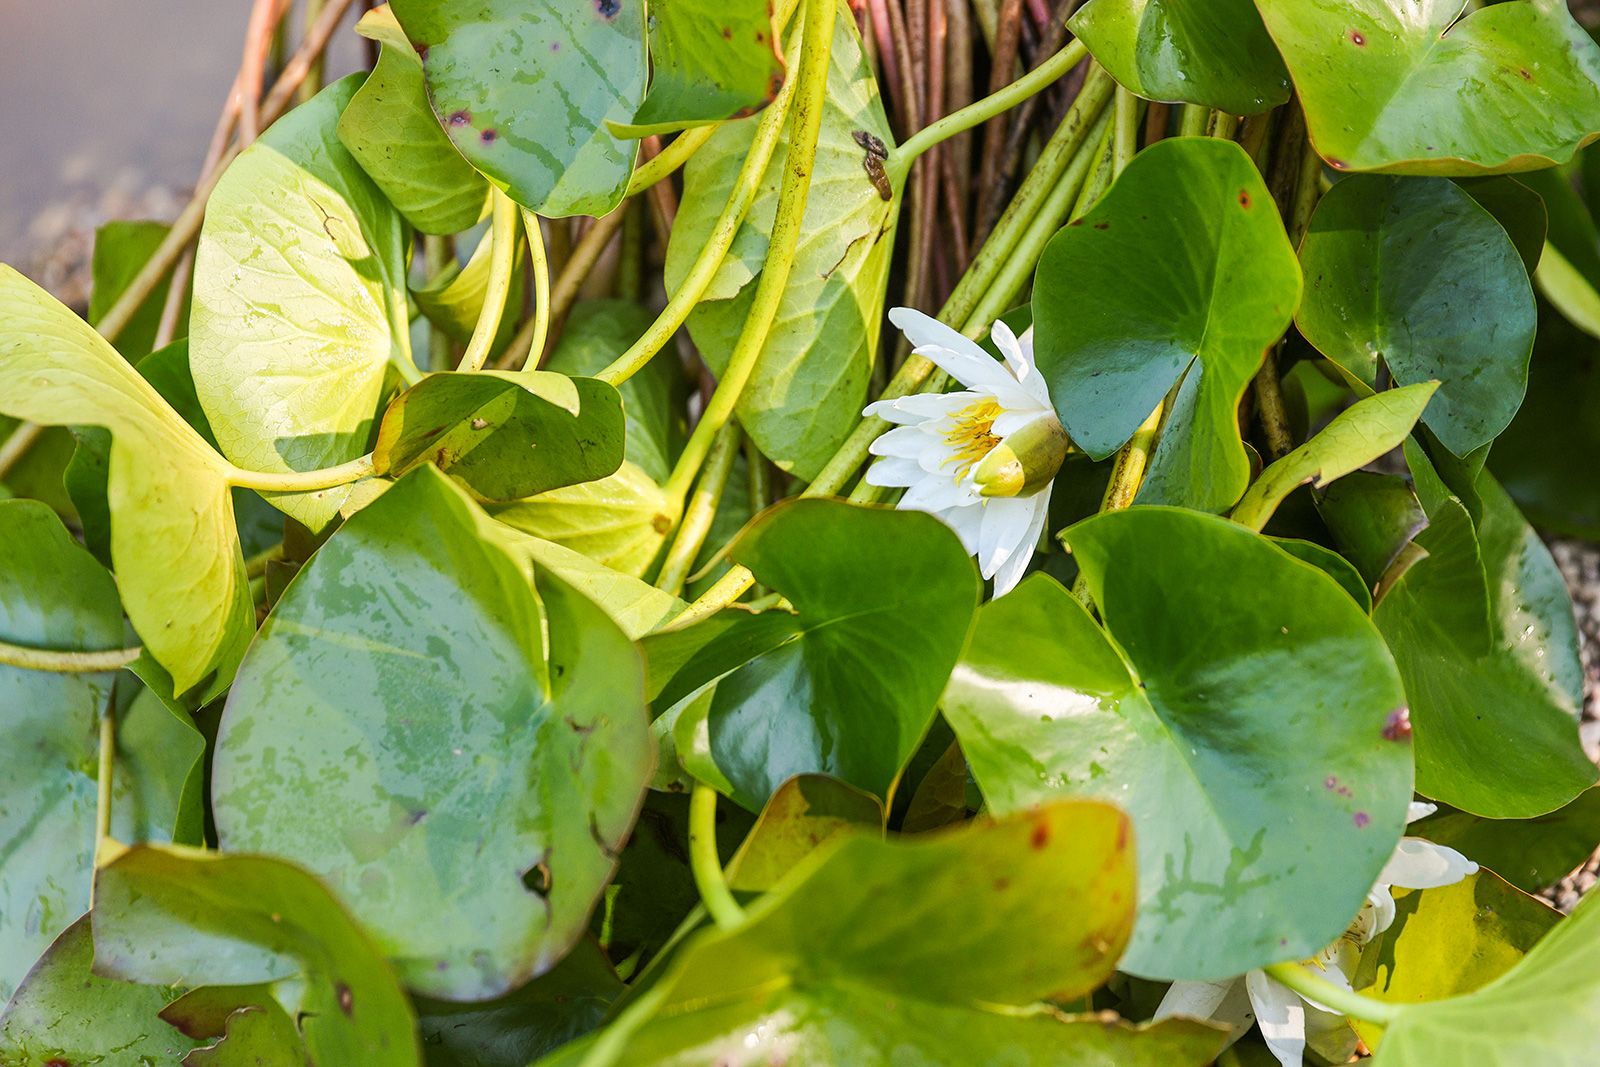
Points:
(710, 60)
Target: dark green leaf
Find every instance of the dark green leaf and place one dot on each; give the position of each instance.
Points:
(541, 135)
(1403, 86)
(1330, 563)
(1518, 209)
(504, 434)
(1245, 733)
(1414, 275)
(1129, 302)
(846, 685)
(121, 249)
(710, 60)
(1217, 53)
(479, 778)
(1373, 518)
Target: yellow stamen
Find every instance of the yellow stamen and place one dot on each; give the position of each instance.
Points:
(972, 437)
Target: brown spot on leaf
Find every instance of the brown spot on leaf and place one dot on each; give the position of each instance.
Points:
(487, 136)
(1244, 199)
(347, 999)
(1102, 225)
(1357, 40)
(460, 118)
(1040, 836)
(727, 33)
(1337, 164)
(608, 9)
(1002, 884)
(1526, 76)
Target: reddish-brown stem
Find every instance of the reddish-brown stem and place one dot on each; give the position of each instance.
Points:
(1001, 73)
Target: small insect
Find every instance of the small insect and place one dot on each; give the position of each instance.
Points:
(872, 162)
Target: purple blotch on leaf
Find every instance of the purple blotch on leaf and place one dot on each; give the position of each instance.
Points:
(1361, 819)
(460, 118)
(608, 9)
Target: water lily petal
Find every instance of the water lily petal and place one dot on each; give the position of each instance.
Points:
(1223, 1002)
(959, 357)
(919, 407)
(1420, 864)
(938, 494)
(1005, 524)
(895, 473)
(905, 442)
(1009, 573)
(1009, 422)
(1419, 809)
(1010, 349)
(967, 522)
(1281, 1017)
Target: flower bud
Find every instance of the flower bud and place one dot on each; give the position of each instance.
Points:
(1024, 462)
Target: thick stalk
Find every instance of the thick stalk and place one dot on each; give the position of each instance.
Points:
(1126, 139)
(539, 325)
(302, 481)
(811, 84)
(700, 512)
(740, 198)
(16, 446)
(1192, 120)
(703, 859)
(502, 263)
(58, 662)
(1313, 986)
(313, 80)
(665, 162)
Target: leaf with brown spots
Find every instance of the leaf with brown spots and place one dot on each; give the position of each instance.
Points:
(711, 60)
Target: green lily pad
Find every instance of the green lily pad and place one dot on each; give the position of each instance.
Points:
(1129, 303)
(1175, 711)
(1487, 661)
(65, 1014)
(403, 729)
(1540, 1011)
(1416, 276)
(634, 606)
(808, 388)
(618, 521)
(121, 249)
(168, 489)
(1519, 210)
(505, 435)
(1368, 429)
(1330, 563)
(184, 917)
(391, 130)
(710, 60)
(541, 135)
(847, 683)
(1531, 854)
(822, 972)
(1413, 87)
(1217, 54)
(299, 303)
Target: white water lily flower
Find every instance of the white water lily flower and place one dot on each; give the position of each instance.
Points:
(981, 459)
(1285, 1018)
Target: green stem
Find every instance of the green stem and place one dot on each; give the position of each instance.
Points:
(1313, 986)
(1223, 125)
(669, 159)
(1126, 141)
(45, 659)
(810, 86)
(702, 509)
(981, 111)
(703, 859)
(107, 772)
(1192, 120)
(256, 565)
(302, 481)
(540, 324)
(740, 198)
(24, 437)
(502, 263)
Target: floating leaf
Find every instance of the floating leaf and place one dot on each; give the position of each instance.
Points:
(299, 303)
(479, 774)
(822, 972)
(1488, 667)
(1416, 276)
(541, 135)
(391, 130)
(1418, 87)
(846, 684)
(121, 249)
(183, 917)
(1541, 1011)
(810, 384)
(168, 489)
(710, 60)
(1264, 794)
(504, 434)
(1129, 302)
(1217, 54)
(1368, 429)
(1531, 854)
(64, 1014)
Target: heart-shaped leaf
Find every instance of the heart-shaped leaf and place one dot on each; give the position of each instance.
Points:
(299, 303)
(710, 60)
(391, 130)
(845, 685)
(1541, 1011)
(168, 489)
(182, 917)
(1531, 854)
(402, 728)
(1368, 429)
(1265, 797)
(65, 1014)
(1416, 276)
(1033, 906)
(618, 521)
(542, 135)
(53, 595)
(810, 384)
(1216, 53)
(1129, 302)
(504, 434)
(1488, 661)
(1416, 87)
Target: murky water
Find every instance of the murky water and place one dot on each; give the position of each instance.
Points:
(111, 95)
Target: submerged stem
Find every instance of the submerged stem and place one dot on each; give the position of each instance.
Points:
(502, 263)
(703, 859)
(1313, 986)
